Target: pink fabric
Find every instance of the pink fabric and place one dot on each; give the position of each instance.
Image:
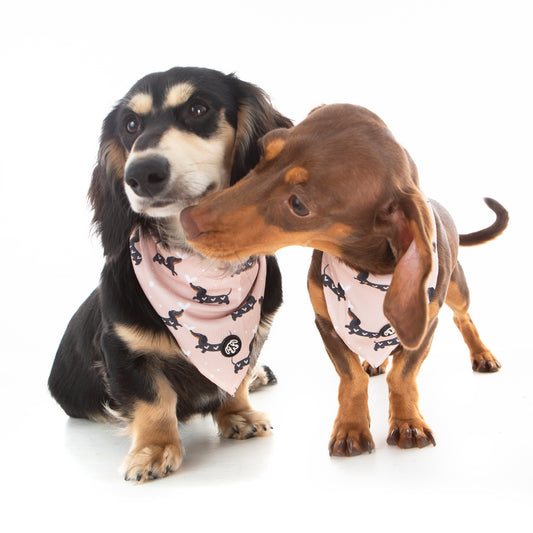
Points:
(355, 305)
(212, 315)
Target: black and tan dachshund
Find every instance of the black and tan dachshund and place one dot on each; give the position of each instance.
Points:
(175, 137)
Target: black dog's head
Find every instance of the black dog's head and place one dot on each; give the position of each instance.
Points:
(175, 137)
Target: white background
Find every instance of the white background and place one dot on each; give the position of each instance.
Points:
(452, 81)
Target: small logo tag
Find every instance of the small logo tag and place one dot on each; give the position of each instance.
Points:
(386, 331)
(231, 346)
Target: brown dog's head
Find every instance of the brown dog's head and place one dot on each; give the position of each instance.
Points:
(338, 182)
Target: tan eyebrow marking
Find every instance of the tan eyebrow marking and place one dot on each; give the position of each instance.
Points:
(178, 94)
(296, 175)
(273, 148)
(141, 103)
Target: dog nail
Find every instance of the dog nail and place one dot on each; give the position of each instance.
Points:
(330, 447)
(393, 437)
(349, 448)
(341, 448)
(139, 477)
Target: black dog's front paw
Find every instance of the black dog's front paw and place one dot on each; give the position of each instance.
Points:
(152, 462)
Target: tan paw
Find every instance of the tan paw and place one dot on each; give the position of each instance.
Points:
(243, 424)
(350, 439)
(152, 462)
(411, 433)
(484, 362)
(371, 371)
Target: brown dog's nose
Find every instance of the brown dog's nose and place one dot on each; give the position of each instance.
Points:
(188, 224)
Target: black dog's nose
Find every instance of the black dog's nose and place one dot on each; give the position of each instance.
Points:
(148, 176)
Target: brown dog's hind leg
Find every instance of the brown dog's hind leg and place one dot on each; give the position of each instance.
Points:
(236, 418)
(407, 427)
(458, 300)
(372, 372)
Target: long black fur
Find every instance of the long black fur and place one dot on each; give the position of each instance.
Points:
(94, 369)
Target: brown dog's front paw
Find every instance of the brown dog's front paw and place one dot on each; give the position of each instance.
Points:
(410, 434)
(152, 462)
(243, 424)
(484, 362)
(348, 441)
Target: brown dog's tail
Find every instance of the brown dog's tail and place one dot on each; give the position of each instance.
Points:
(487, 234)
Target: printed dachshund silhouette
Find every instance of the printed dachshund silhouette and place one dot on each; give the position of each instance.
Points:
(204, 298)
(330, 284)
(168, 262)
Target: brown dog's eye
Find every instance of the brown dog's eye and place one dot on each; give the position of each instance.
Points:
(198, 110)
(298, 207)
(133, 125)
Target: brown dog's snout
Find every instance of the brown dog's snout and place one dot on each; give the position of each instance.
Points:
(188, 224)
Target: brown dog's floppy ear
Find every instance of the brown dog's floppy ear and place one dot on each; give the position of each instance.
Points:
(407, 224)
(255, 118)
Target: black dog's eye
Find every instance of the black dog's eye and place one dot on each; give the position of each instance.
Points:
(133, 125)
(298, 207)
(197, 109)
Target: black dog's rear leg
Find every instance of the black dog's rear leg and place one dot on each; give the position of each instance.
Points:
(77, 378)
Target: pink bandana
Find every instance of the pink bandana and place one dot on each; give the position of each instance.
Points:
(355, 305)
(212, 315)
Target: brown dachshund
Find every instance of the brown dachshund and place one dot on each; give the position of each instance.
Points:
(341, 184)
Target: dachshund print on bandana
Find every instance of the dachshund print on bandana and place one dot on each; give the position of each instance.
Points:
(212, 315)
(355, 305)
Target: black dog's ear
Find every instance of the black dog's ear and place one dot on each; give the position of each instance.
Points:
(255, 118)
(112, 213)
